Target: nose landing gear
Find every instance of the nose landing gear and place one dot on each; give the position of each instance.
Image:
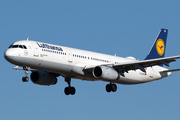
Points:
(26, 78)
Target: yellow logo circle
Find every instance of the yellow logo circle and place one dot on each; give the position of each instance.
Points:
(160, 47)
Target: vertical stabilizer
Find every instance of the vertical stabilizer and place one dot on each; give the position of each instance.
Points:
(159, 46)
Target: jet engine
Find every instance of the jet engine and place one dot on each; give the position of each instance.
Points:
(105, 72)
(43, 78)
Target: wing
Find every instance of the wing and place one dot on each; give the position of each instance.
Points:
(145, 63)
(133, 65)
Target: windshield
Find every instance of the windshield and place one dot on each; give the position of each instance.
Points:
(18, 46)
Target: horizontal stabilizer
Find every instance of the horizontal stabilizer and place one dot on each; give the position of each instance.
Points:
(170, 71)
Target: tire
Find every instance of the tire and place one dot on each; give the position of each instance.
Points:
(108, 88)
(26, 79)
(114, 87)
(72, 90)
(67, 90)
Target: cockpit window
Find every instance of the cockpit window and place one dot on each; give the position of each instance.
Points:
(15, 46)
(10, 46)
(24, 47)
(18, 46)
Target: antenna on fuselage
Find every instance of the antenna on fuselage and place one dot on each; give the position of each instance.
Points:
(27, 38)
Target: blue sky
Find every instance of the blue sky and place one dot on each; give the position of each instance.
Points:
(125, 28)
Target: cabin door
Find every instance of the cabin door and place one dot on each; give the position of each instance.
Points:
(70, 56)
(36, 49)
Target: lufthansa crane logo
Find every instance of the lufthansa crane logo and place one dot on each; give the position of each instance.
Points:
(160, 47)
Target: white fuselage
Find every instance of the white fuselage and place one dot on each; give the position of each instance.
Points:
(70, 62)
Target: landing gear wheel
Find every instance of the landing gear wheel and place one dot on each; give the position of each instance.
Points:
(25, 79)
(111, 87)
(73, 90)
(66, 91)
(69, 90)
(108, 87)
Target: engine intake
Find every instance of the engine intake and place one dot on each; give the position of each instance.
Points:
(105, 72)
(43, 78)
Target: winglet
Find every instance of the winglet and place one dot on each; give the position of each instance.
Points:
(159, 46)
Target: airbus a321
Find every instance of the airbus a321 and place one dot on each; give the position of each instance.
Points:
(47, 62)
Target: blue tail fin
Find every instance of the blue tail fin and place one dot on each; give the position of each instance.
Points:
(159, 46)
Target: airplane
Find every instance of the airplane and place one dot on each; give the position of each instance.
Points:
(48, 61)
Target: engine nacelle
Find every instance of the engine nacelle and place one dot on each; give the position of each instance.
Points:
(43, 78)
(105, 72)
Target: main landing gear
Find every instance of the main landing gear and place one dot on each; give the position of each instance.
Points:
(111, 87)
(25, 79)
(69, 90)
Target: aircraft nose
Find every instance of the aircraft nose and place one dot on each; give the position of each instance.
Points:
(8, 55)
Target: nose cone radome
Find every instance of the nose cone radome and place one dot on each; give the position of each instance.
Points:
(9, 55)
